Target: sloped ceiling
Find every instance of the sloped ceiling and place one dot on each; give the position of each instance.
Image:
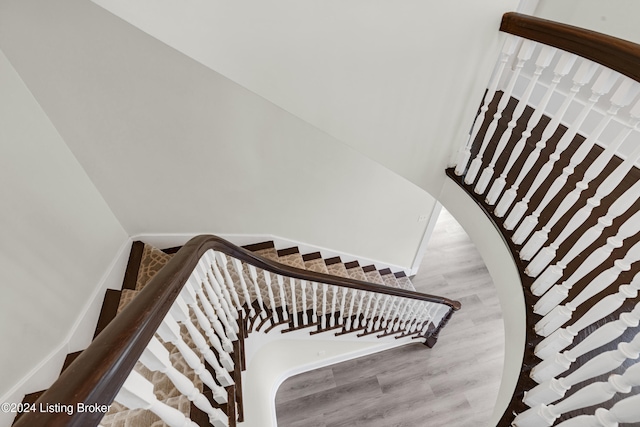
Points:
(398, 81)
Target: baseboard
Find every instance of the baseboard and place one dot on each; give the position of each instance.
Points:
(78, 338)
(171, 240)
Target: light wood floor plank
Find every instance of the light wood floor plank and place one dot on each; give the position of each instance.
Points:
(454, 384)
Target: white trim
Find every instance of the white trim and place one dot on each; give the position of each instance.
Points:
(422, 248)
(79, 336)
(165, 240)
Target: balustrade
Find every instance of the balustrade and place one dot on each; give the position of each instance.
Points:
(570, 211)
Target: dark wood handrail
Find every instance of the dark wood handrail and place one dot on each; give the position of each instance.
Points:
(97, 375)
(620, 55)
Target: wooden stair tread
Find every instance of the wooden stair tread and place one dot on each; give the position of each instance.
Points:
(69, 360)
(108, 311)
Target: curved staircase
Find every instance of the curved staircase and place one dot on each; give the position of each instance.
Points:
(203, 340)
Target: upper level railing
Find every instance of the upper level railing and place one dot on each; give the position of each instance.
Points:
(552, 158)
(193, 306)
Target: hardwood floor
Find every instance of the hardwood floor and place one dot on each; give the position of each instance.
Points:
(453, 384)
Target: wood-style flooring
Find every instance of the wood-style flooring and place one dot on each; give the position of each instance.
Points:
(454, 384)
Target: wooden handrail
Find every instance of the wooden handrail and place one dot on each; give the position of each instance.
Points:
(620, 55)
(97, 375)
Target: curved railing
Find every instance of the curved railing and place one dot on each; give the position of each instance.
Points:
(200, 278)
(552, 159)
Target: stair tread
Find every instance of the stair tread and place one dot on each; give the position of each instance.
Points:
(357, 273)
(293, 260)
(316, 265)
(153, 259)
(269, 253)
(389, 279)
(338, 269)
(373, 276)
(126, 297)
(121, 416)
(405, 283)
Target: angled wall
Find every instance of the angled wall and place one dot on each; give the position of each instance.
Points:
(59, 237)
(400, 82)
(174, 147)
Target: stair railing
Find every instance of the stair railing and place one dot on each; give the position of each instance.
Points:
(552, 159)
(213, 291)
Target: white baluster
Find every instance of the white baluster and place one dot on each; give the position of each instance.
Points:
(222, 259)
(156, 358)
(382, 319)
(356, 321)
(552, 274)
(406, 316)
(272, 301)
(237, 266)
(594, 259)
(543, 61)
(180, 313)
(625, 411)
(303, 300)
(294, 306)
(225, 314)
(603, 84)
(587, 396)
(253, 275)
(620, 98)
(365, 317)
(562, 338)
(228, 288)
(554, 389)
(314, 302)
(388, 316)
(215, 334)
(583, 75)
(374, 312)
(195, 284)
(334, 297)
(624, 202)
(353, 295)
(323, 323)
(597, 285)
(524, 54)
(507, 50)
(137, 393)
(283, 297)
(344, 291)
(394, 319)
(561, 362)
(561, 69)
(213, 287)
(169, 331)
(401, 314)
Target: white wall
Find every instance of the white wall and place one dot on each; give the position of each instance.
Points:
(497, 257)
(58, 234)
(398, 81)
(174, 147)
(618, 18)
